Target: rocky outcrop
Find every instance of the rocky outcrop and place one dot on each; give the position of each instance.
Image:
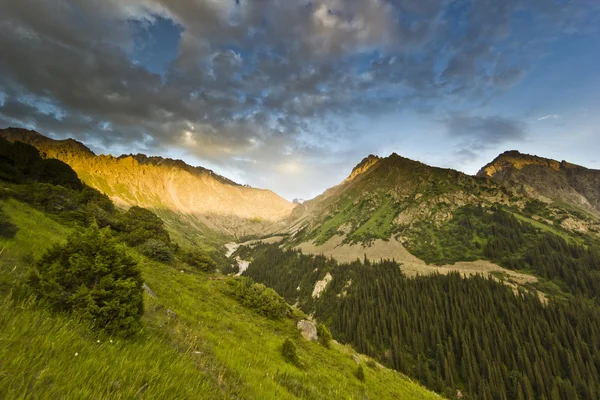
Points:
(308, 330)
(363, 166)
(321, 285)
(547, 179)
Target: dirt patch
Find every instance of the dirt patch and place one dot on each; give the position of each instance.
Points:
(410, 265)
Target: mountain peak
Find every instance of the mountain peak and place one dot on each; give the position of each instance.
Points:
(49, 147)
(513, 159)
(546, 178)
(363, 166)
(179, 164)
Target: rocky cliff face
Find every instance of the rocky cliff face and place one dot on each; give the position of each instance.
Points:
(167, 186)
(547, 180)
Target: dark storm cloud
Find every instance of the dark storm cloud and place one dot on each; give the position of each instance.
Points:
(262, 79)
(485, 130)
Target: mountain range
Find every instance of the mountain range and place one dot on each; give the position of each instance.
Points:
(381, 199)
(184, 196)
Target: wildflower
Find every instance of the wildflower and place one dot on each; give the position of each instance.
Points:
(76, 354)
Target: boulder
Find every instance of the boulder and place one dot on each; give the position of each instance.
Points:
(307, 329)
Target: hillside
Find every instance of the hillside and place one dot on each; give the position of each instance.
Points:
(192, 200)
(200, 334)
(214, 348)
(382, 196)
(395, 198)
(547, 180)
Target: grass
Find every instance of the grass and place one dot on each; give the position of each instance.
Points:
(213, 348)
(36, 233)
(548, 228)
(49, 356)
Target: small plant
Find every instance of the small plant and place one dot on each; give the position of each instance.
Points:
(290, 351)
(360, 373)
(324, 335)
(94, 279)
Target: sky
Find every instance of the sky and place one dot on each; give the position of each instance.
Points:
(290, 95)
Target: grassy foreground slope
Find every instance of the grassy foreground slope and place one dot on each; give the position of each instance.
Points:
(211, 347)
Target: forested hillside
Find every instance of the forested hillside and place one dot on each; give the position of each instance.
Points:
(473, 335)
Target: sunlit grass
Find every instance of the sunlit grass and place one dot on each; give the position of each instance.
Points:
(197, 342)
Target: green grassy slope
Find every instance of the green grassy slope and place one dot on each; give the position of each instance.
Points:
(368, 206)
(213, 348)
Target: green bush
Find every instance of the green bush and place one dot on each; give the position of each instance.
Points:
(139, 225)
(324, 335)
(156, 250)
(258, 297)
(360, 373)
(290, 351)
(94, 279)
(199, 260)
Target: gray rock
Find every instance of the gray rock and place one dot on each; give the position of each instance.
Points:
(307, 329)
(171, 314)
(149, 291)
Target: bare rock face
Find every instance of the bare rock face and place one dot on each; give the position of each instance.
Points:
(307, 329)
(545, 179)
(321, 285)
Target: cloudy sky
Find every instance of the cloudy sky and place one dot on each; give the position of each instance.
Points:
(291, 94)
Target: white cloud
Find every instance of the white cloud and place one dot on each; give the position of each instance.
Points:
(549, 116)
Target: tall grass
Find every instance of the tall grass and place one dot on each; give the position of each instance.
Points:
(196, 343)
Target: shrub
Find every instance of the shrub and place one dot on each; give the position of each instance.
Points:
(258, 297)
(140, 224)
(7, 228)
(360, 373)
(324, 335)
(156, 250)
(94, 279)
(199, 260)
(290, 351)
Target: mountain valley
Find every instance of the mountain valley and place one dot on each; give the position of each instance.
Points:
(423, 270)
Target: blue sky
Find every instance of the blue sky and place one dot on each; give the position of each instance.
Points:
(291, 95)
